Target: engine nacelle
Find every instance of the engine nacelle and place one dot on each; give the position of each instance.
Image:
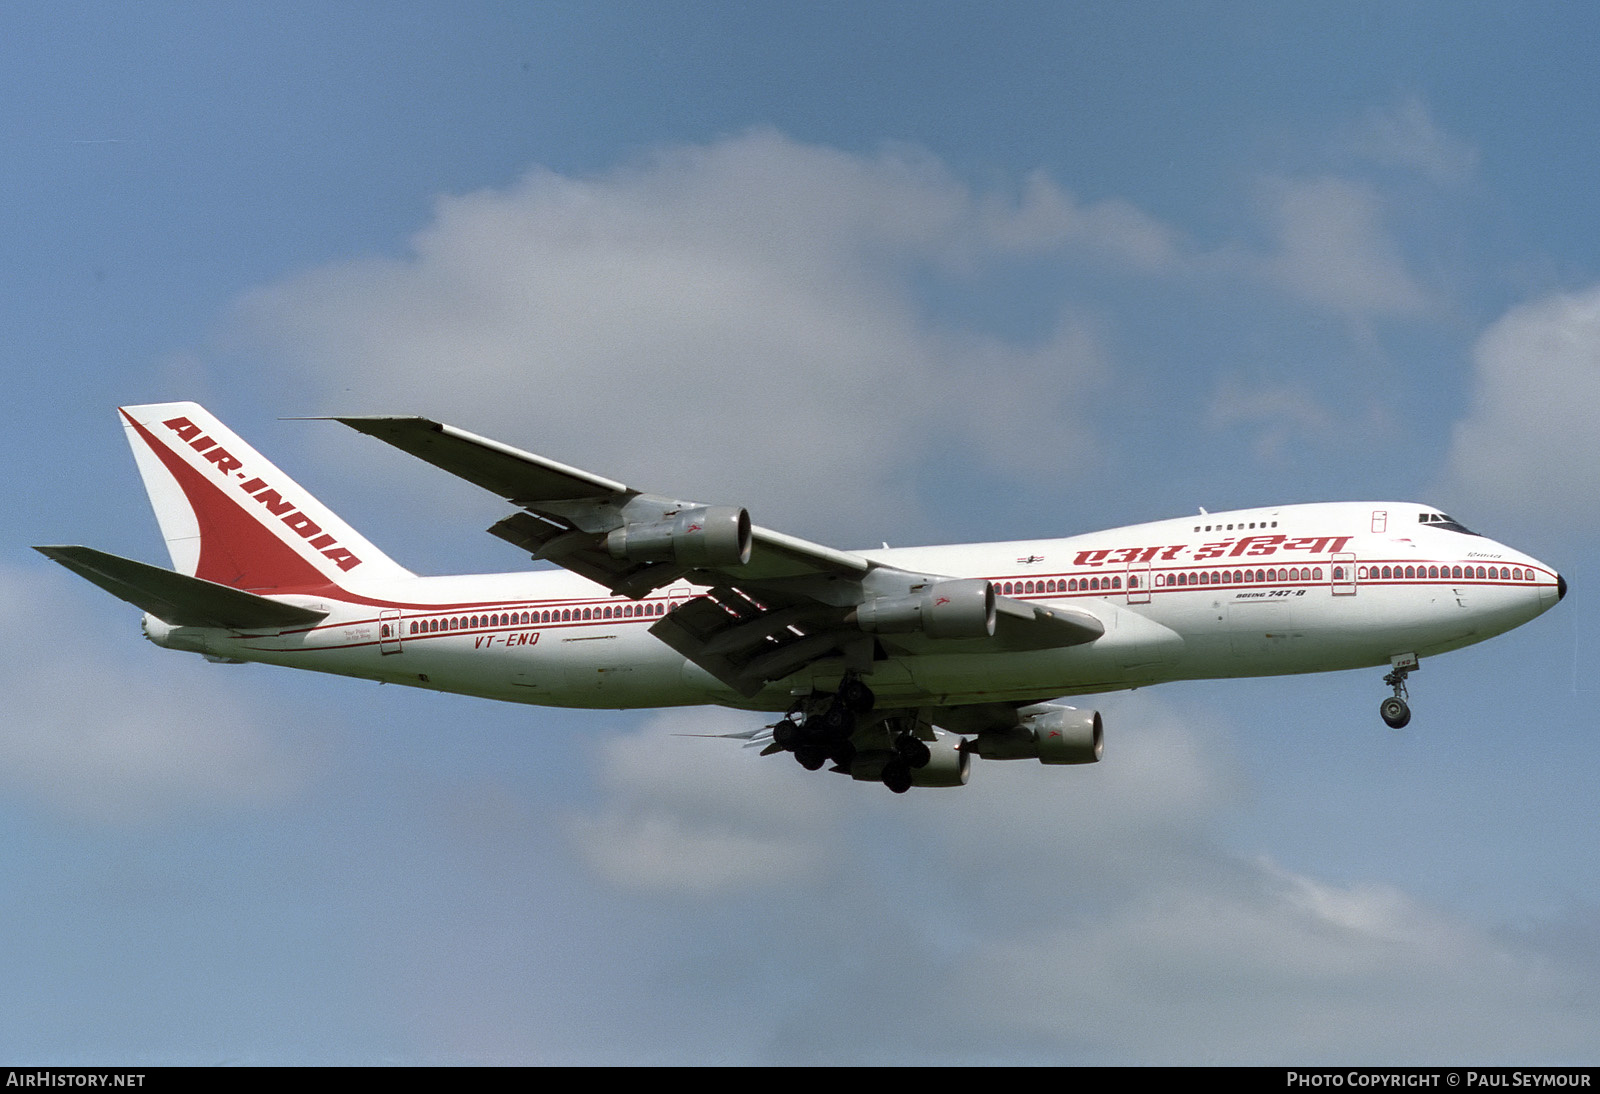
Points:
(960, 608)
(1069, 736)
(949, 765)
(716, 535)
(1055, 735)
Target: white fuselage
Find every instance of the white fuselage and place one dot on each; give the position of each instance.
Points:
(1304, 588)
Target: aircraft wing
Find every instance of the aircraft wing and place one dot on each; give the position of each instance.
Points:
(774, 603)
(578, 509)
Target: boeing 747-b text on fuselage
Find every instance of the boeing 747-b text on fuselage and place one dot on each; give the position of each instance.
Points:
(895, 665)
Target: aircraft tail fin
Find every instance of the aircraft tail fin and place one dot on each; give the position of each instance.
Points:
(176, 599)
(232, 518)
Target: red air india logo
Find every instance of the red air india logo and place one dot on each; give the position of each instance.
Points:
(230, 468)
(1248, 546)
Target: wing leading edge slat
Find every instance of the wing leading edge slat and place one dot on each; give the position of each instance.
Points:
(520, 477)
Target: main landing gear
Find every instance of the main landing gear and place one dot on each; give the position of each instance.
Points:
(1394, 711)
(821, 728)
(817, 733)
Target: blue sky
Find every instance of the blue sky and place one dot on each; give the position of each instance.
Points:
(908, 272)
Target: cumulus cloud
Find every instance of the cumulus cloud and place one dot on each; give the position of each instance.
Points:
(1528, 446)
(699, 320)
(664, 829)
(1406, 135)
(684, 812)
(753, 320)
(1282, 415)
(1332, 250)
(1084, 914)
(112, 742)
(1045, 216)
(1260, 965)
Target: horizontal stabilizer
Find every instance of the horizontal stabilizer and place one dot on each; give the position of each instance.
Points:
(178, 599)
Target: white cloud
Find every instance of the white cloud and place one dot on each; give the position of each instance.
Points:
(1331, 250)
(1047, 216)
(1082, 914)
(1283, 416)
(748, 321)
(1259, 966)
(688, 815)
(718, 319)
(1407, 136)
(1528, 446)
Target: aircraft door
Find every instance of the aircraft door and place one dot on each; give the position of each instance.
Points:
(1342, 568)
(1139, 583)
(677, 593)
(390, 625)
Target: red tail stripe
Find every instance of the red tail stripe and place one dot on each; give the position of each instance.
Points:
(235, 548)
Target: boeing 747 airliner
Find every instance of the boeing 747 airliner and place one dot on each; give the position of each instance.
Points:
(894, 665)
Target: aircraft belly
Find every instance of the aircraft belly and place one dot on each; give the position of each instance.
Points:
(551, 667)
(1318, 633)
(607, 668)
(1233, 633)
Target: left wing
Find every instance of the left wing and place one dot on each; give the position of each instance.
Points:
(773, 604)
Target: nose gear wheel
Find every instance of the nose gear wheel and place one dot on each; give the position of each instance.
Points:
(1395, 711)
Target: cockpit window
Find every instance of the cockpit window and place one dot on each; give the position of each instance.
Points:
(1448, 524)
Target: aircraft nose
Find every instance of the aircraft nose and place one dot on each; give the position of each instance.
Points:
(1549, 595)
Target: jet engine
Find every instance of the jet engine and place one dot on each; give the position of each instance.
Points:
(959, 608)
(1052, 734)
(716, 535)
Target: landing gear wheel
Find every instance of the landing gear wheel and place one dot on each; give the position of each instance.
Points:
(856, 696)
(811, 759)
(897, 776)
(837, 721)
(914, 752)
(786, 735)
(1394, 712)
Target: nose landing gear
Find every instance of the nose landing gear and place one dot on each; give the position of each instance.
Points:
(1394, 711)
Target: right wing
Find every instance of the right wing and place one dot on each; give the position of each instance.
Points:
(773, 603)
